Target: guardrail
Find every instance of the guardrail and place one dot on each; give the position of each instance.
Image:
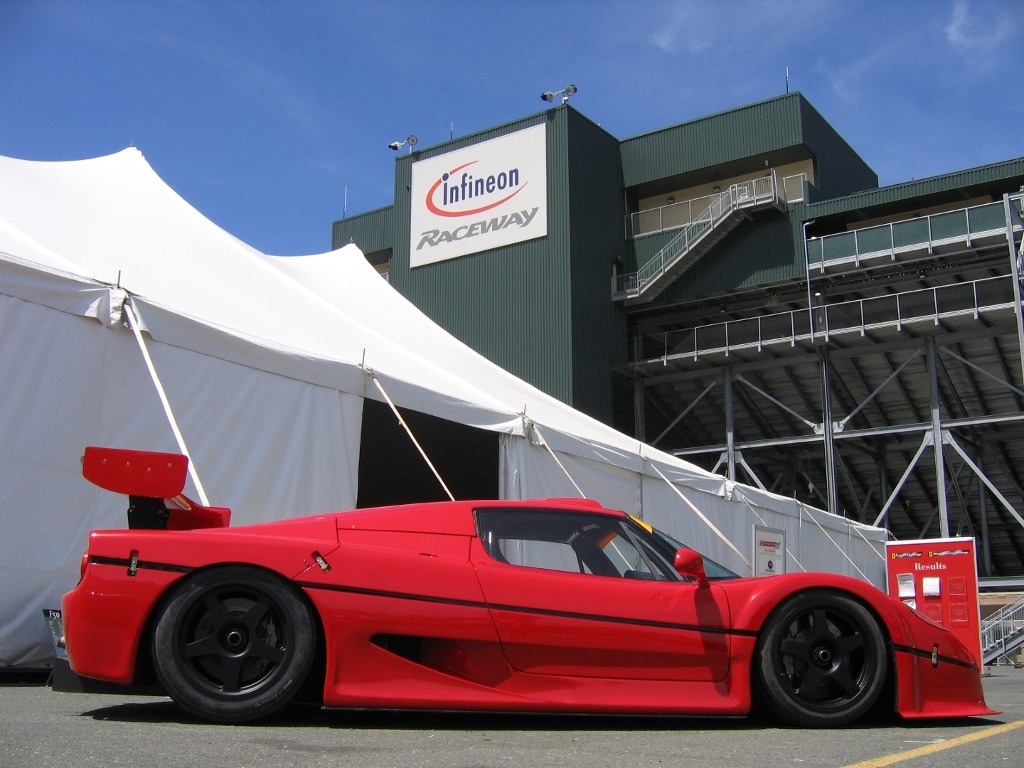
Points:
(958, 229)
(675, 215)
(1002, 633)
(745, 194)
(896, 310)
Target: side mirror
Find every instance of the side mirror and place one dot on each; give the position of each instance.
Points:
(688, 562)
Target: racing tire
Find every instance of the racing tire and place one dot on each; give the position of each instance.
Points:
(234, 644)
(823, 660)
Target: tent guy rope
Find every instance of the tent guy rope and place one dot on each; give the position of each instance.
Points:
(561, 466)
(702, 516)
(133, 324)
(394, 409)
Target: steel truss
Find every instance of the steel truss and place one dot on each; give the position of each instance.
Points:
(914, 422)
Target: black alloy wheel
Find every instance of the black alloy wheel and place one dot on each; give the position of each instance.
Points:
(823, 660)
(234, 643)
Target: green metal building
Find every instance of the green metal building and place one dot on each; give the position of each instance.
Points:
(739, 291)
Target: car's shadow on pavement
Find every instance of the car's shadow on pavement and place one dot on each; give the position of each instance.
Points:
(311, 716)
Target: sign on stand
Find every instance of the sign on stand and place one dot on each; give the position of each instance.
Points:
(769, 551)
(939, 578)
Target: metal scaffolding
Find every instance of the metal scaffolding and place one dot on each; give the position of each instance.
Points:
(890, 390)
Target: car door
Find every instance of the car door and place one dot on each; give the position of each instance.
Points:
(582, 594)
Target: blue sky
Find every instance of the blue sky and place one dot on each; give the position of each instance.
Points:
(262, 114)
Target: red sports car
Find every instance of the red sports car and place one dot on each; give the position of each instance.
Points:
(538, 606)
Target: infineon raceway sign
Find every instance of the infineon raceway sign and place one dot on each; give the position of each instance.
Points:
(485, 196)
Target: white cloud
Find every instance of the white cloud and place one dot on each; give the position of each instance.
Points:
(749, 27)
(850, 79)
(976, 33)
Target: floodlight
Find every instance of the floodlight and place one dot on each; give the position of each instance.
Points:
(565, 93)
(397, 145)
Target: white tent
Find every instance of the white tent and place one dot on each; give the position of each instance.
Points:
(128, 319)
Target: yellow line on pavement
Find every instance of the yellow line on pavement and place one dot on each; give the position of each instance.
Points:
(899, 757)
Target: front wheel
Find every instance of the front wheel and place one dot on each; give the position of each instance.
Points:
(234, 644)
(823, 659)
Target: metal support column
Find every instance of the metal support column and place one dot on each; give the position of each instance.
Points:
(831, 489)
(1016, 256)
(937, 442)
(639, 418)
(986, 542)
(730, 437)
(810, 293)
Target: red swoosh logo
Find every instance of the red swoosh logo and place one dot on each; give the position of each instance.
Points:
(453, 214)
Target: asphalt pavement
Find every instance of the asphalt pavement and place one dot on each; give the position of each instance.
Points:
(40, 727)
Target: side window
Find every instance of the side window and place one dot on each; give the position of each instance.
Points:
(573, 542)
(553, 555)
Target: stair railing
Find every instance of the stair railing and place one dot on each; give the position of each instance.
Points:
(1003, 632)
(743, 194)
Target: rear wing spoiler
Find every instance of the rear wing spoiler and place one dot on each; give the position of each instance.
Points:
(153, 483)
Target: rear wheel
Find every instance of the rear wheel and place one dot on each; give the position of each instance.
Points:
(823, 659)
(234, 644)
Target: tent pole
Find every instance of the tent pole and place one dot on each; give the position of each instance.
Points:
(133, 323)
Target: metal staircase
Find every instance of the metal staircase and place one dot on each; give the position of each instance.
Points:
(723, 214)
(1002, 633)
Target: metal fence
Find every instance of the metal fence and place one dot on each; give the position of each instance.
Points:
(893, 311)
(743, 195)
(685, 212)
(925, 233)
(1003, 632)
